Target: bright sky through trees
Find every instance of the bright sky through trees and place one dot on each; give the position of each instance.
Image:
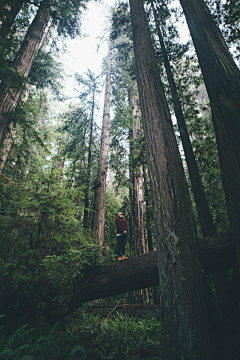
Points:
(89, 50)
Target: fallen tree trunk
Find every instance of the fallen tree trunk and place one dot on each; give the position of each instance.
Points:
(217, 253)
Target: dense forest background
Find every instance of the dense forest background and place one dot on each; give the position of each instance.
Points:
(166, 154)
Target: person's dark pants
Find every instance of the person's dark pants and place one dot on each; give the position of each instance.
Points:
(121, 243)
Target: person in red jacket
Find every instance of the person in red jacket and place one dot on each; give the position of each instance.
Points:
(122, 227)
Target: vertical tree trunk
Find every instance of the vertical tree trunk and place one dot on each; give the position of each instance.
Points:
(143, 296)
(148, 213)
(87, 192)
(6, 147)
(185, 328)
(79, 182)
(204, 214)
(222, 79)
(138, 233)
(9, 19)
(100, 183)
(221, 280)
(9, 94)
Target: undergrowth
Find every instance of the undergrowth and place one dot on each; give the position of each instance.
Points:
(87, 336)
(117, 337)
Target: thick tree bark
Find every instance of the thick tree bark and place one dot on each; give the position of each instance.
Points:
(9, 94)
(185, 328)
(9, 19)
(217, 253)
(204, 214)
(222, 79)
(100, 183)
(221, 281)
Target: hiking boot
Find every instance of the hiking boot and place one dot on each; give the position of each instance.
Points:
(124, 257)
(120, 258)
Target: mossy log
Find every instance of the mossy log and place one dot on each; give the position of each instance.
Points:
(217, 254)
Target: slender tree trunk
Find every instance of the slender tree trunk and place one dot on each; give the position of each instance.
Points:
(142, 296)
(100, 183)
(80, 170)
(87, 193)
(10, 94)
(9, 19)
(48, 36)
(148, 212)
(137, 181)
(185, 328)
(131, 202)
(6, 147)
(222, 79)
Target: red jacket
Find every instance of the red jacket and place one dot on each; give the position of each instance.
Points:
(121, 225)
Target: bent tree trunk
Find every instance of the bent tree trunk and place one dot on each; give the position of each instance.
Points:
(222, 79)
(100, 184)
(9, 94)
(185, 327)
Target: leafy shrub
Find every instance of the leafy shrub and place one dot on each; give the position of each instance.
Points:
(118, 337)
(23, 345)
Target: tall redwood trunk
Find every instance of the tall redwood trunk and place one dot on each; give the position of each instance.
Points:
(222, 79)
(221, 280)
(7, 142)
(148, 211)
(204, 214)
(100, 183)
(9, 19)
(87, 192)
(10, 94)
(185, 328)
(138, 234)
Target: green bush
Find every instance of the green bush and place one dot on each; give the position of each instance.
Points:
(118, 337)
(23, 344)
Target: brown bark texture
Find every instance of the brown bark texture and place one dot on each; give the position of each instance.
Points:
(204, 214)
(138, 233)
(6, 147)
(203, 210)
(217, 254)
(100, 184)
(185, 327)
(222, 78)
(10, 94)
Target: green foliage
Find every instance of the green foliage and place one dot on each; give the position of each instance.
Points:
(205, 150)
(61, 270)
(117, 337)
(112, 206)
(226, 13)
(24, 344)
(86, 336)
